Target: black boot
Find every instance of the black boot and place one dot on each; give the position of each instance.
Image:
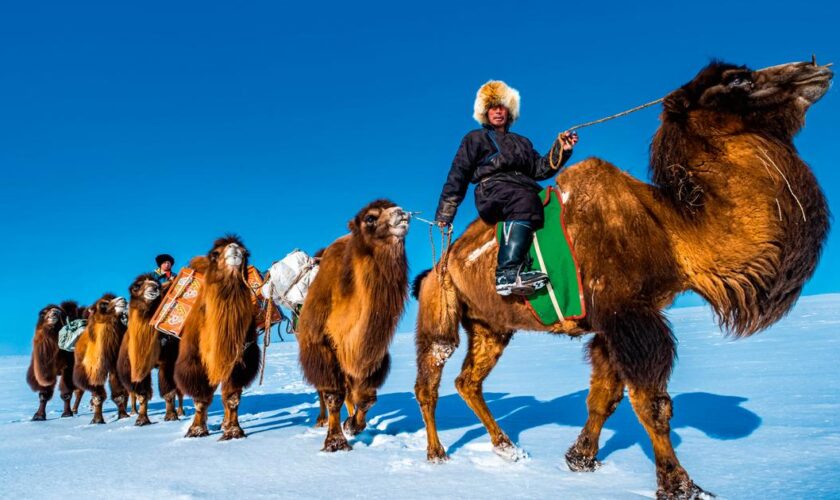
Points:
(511, 278)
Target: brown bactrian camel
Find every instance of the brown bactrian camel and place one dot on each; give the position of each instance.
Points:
(218, 343)
(96, 355)
(49, 362)
(733, 214)
(144, 348)
(350, 315)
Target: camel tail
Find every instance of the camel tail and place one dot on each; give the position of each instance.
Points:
(439, 314)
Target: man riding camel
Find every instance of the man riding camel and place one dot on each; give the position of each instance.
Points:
(505, 167)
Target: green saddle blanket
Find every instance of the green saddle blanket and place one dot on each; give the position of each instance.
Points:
(551, 253)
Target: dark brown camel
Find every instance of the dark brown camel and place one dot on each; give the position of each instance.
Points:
(49, 363)
(96, 355)
(218, 344)
(733, 214)
(350, 316)
(143, 348)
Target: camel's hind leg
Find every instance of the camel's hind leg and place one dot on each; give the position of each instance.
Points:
(321, 421)
(241, 376)
(485, 348)
(118, 395)
(76, 402)
(66, 388)
(643, 349)
(605, 392)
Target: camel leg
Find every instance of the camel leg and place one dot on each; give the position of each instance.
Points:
(79, 393)
(198, 428)
(180, 403)
(66, 388)
(166, 384)
(335, 441)
(96, 400)
(230, 427)
(44, 395)
(643, 349)
(431, 358)
(364, 398)
(605, 392)
(143, 393)
(132, 407)
(321, 421)
(118, 395)
(485, 348)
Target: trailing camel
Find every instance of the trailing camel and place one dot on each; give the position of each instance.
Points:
(49, 363)
(143, 348)
(350, 315)
(218, 343)
(733, 214)
(96, 355)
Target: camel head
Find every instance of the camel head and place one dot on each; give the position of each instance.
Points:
(109, 306)
(51, 316)
(144, 291)
(381, 222)
(772, 100)
(228, 256)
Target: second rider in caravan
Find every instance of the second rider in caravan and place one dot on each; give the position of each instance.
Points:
(505, 166)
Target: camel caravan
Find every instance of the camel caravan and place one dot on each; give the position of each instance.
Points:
(732, 213)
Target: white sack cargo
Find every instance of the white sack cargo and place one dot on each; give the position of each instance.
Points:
(290, 279)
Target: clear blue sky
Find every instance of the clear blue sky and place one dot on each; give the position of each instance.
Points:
(130, 130)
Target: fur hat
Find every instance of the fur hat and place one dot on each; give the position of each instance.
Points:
(164, 257)
(495, 93)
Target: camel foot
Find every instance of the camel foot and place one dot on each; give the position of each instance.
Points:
(180, 412)
(67, 413)
(350, 427)
(510, 452)
(232, 432)
(320, 422)
(97, 420)
(578, 462)
(142, 420)
(122, 414)
(336, 443)
(170, 417)
(39, 417)
(685, 490)
(437, 456)
(197, 431)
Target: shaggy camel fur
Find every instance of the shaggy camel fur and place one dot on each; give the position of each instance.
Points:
(96, 355)
(49, 362)
(350, 315)
(218, 344)
(733, 214)
(143, 348)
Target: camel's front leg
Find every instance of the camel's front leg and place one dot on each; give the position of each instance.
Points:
(118, 395)
(485, 348)
(605, 392)
(231, 429)
(335, 441)
(321, 421)
(79, 393)
(142, 393)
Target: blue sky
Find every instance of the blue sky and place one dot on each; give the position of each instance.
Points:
(130, 130)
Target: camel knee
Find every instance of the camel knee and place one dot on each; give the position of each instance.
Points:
(466, 386)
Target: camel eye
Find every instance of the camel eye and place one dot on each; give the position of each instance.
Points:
(370, 219)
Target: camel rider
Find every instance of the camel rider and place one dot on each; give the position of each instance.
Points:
(163, 273)
(505, 167)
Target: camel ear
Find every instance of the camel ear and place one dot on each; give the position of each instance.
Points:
(677, 102)
(353, 226)
(200, 263)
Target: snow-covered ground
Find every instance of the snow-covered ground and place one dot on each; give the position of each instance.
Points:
(755, 418)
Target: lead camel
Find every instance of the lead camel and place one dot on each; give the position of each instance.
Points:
(733, 214)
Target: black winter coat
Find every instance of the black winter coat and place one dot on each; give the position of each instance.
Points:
(490, 159)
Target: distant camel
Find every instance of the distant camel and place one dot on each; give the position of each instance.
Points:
(350, 315)
(49, 362)
(96, 355)
(143, 348)
(733, 214)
